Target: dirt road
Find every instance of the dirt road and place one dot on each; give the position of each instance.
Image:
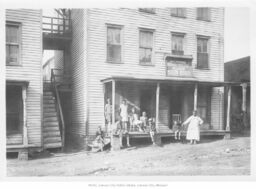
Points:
(219, 157)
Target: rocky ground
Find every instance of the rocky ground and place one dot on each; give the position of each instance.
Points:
(210, 157)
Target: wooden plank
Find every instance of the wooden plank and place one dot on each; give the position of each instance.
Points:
(228, 109)
(157, 105)
(195, 96)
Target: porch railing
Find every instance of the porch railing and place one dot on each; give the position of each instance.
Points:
(56, 25)
(58, 105)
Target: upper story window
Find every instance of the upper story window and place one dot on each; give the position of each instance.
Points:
(12, 44)
(203, 14)
(148, 10)
(114, 44)
(146, 47)
(177, 43)
(178, 12)
(202, 53)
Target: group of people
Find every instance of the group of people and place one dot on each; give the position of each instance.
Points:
(131, 122)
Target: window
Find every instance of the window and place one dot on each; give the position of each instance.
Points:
(146, 47)
(148, 10)
(114, 44)
(179, 12)
(12, 43)
(203, 14)
(177, 44)
(202, 53)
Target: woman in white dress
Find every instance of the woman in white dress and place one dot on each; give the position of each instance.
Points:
(193, 132)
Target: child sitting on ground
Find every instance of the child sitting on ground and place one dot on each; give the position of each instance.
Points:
(177, 129)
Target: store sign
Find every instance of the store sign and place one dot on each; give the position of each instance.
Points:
(178, 68)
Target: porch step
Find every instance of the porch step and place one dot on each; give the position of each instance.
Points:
(50, 114)
(54, 139)
(50, 119)
(51, 130)
(51, 133)
(53, 145)
(51, 124)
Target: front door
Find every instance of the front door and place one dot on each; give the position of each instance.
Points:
(147, 102)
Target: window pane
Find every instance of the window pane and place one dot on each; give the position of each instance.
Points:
(203, 13)
(177, 42)
(12, 34)
(145, 55)
(114, 36)
(146, 39)
(114, 53)
(13, 53)
(202, 45)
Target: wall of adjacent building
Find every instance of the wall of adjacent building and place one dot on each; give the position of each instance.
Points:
(30, 68)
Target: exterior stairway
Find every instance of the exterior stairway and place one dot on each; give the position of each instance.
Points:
(51, 129)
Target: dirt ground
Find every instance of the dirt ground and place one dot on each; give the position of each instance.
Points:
(210, 157)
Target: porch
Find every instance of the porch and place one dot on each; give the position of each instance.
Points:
(165, 99)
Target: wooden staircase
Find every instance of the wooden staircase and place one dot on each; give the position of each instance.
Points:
(51, 128)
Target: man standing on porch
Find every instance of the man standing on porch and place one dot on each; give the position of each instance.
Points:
(193, 132)
(124, 120)
(108, 114)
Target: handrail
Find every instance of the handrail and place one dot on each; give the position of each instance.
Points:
(59, 107)
(63, 25)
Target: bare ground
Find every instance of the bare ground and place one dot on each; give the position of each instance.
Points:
(210, 157)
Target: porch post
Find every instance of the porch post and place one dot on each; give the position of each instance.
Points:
(113, 100)
(195, 96)
(157, 105)
(244, 87)
(228, 114)
(25, 132)
(113, 114)
(23, 153)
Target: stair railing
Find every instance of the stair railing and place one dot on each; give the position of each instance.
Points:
(59, 107)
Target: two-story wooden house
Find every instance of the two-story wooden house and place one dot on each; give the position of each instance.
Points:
(23, 80)
(164, 61)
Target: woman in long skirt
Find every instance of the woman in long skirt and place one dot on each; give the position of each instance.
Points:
(193, 132)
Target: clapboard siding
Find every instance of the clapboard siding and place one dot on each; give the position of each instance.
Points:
(78, 58)
(163, 24)
(31, 68)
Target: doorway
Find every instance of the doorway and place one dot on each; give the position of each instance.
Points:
(147, 102)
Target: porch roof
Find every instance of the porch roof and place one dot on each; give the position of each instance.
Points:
(17, 82)
(171, 80)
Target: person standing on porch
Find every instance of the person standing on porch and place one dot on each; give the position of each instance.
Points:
(108, 115)
(124, 121)
(193, 132)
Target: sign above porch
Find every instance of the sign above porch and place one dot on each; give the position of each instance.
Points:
(179, 66)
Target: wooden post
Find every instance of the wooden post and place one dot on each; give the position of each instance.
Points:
(25, 132)
(195, 96)
(228, 113)
(113, 112)
(244, 86)
(157, 106)
(23, 153)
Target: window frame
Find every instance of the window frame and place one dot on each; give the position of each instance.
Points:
(208, 19)
(183, 41)
(153, 46)
(19, 25)
(208, 52)
(146, 10)
(116, 26)
(176, 14)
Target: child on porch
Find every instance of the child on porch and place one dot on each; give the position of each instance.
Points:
(144, 122)
(177, 129)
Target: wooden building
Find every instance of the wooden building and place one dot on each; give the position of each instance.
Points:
(24, 87)
(239, 71)
(164, 61)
